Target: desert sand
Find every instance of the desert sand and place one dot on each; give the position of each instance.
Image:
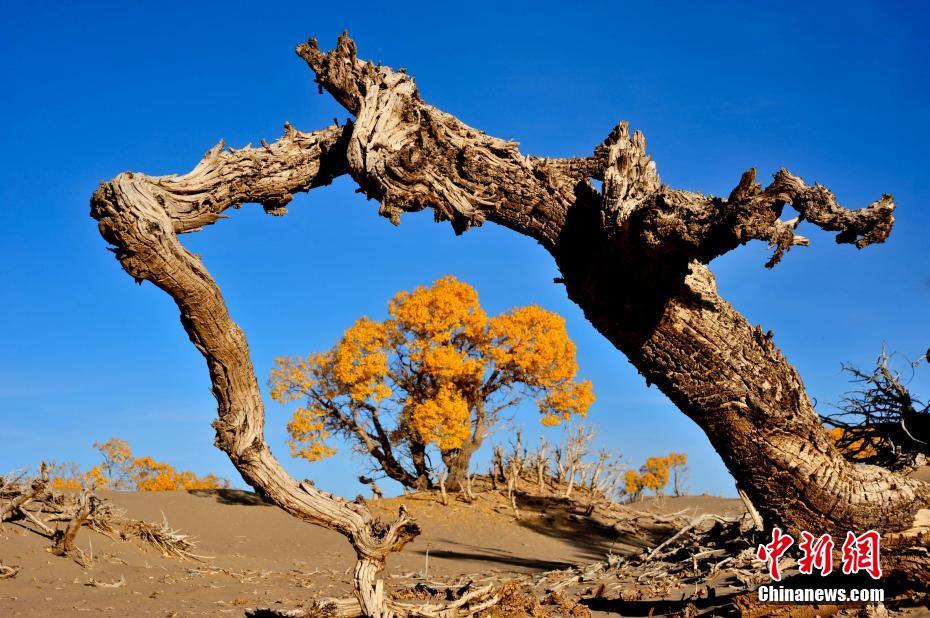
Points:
(255, 555)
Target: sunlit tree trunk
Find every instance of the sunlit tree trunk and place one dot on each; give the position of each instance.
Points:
(633, 256)
(458, 463)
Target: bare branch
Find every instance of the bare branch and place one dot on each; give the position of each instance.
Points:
(882, 423)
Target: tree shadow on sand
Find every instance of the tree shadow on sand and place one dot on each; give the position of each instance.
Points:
(232, 496)
(564, 519)
(475, 553)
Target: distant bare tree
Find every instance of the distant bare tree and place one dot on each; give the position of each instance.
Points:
(562, 469)
(882, 422)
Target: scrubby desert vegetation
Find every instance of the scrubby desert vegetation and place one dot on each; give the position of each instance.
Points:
(881, 422)
(119, 470)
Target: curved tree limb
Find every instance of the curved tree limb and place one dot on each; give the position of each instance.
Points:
(409, 155)
(141, 216)
(633, 258)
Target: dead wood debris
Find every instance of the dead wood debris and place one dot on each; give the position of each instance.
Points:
(64, 539)
(704, 556)
(42, 510)
(697, 558)
(170, 542)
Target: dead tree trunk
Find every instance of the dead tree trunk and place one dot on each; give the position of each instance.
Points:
(633, 257)
(64, 539)
(142, 217)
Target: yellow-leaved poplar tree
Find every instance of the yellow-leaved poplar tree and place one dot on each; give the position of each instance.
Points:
(654, 475)
(438, 373)
(120, 471)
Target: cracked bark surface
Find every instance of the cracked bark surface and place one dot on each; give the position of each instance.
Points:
(632, 256)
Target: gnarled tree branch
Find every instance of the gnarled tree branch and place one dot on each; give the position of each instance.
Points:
(633, 258)
(409, 155)
(141, 216)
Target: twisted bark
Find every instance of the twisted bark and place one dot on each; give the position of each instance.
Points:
(141, 217)
(633, 257)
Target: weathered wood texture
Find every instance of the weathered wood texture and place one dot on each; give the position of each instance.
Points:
(632, 256)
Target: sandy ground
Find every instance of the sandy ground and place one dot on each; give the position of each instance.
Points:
(260, 556)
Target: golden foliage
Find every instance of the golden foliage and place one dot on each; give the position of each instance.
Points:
(66, 482)
(292, 378)
(533, 345)
(151, 475)
(308, 434)
(631, 481)
(564, 399)
(114, 450)
(64, 475)
(442, 419)
(121, 471)
(862, 448)
(113, 473)
(439, 313)
(428, 366)
(654, 474)
(359, 362)
(96, 478)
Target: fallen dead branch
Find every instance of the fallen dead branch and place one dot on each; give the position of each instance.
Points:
(693, 524)
(45, 509)
(64, 539)
(21, 496)
(37, 522)
(164, 538)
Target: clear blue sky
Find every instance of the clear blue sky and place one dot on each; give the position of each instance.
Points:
(837, 93)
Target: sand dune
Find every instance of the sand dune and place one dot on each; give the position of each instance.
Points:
(260, 556)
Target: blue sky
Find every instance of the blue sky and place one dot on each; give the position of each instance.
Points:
(837, 93)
